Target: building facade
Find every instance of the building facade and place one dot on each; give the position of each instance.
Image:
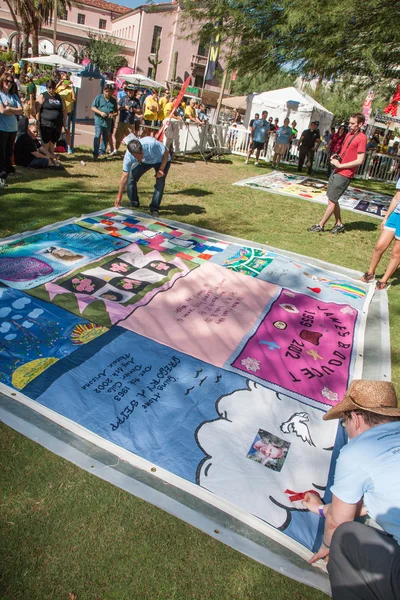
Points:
(137, 30)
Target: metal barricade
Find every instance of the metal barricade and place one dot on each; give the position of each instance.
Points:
(381, 167)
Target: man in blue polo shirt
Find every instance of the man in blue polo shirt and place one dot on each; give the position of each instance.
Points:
(141, 156)
(105, 110)
(259, 136)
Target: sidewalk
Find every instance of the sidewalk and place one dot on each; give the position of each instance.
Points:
(84, 134)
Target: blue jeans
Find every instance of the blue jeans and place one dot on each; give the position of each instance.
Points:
(103, 134)
(38, 163)
(134, 176)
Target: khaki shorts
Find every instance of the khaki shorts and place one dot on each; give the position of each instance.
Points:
(123, 130)
(281, 148)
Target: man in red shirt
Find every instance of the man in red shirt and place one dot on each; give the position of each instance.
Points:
(351, 156)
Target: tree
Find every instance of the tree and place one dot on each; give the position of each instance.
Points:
(335, 40)
(247, 84)
(105, 53)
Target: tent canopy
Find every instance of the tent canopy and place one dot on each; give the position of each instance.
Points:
(238, 102)
(55, 61)
(141, 80)
(280, 104)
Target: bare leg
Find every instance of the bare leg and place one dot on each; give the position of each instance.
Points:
(277, 158)
(336, 212)
(258, 154)
(393, 262)
(330, 209)
(383, 243)
(250, 152)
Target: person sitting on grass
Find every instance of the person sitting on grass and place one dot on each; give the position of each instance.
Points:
(390, 229)
(28, 151)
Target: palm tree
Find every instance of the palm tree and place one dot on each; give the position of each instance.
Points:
(21, 14)
(29, 17)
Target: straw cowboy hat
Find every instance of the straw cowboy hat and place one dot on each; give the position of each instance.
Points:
(378, 397)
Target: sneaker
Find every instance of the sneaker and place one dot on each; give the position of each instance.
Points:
(134, 205)
(367, 277)
(337, 229)
(246, 162)
(155, 214)
(3, 183)
(256, 163)
(316, 228)
(114, 153)
(70, 151)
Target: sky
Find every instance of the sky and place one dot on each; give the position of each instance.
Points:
(135, 3)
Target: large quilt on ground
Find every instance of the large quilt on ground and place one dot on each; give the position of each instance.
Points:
(211, 361)
(314, 190)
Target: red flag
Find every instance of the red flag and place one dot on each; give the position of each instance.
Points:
(177, 101)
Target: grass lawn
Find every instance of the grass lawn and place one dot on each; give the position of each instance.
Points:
(64, 531)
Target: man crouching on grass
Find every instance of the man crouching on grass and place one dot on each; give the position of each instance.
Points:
(143, 155)
(364, 562)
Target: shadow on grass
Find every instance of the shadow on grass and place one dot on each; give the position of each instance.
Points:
(197, 192)
(182, 210)
(361, 226)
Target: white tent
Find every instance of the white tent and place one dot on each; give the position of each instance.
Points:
(55, 61)
(141, 80)
(289, 102)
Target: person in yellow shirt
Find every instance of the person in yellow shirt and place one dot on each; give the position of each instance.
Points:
(150, 116)
(67, 93)
(162, 104)
(17, 69)
(190, 112)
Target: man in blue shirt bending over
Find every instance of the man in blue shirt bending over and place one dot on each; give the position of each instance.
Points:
(141, 156)
(364, 562)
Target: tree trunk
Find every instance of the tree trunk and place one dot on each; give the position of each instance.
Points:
(25, 42)
(17, 27)
(35, 39)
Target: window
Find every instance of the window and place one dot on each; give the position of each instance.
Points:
(150, 72)
(203, 49)
(198, 81)
(156, 34)
(64, 15)
(102, 24)
(81, 19)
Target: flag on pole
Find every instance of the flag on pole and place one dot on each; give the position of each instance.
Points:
(160, 134)
(213, 57)
(367, 106)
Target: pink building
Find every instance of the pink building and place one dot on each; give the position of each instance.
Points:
(137, 30)
(145, 24)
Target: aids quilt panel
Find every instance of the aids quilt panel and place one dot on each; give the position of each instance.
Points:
(299, 186)
(211, 360)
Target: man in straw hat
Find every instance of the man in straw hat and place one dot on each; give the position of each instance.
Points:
(364, 562)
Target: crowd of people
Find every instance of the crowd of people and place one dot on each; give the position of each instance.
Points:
(133, 110)
(31, 124)
(364, 562)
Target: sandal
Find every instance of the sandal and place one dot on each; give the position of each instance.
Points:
(381, 285)
(368, 277)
